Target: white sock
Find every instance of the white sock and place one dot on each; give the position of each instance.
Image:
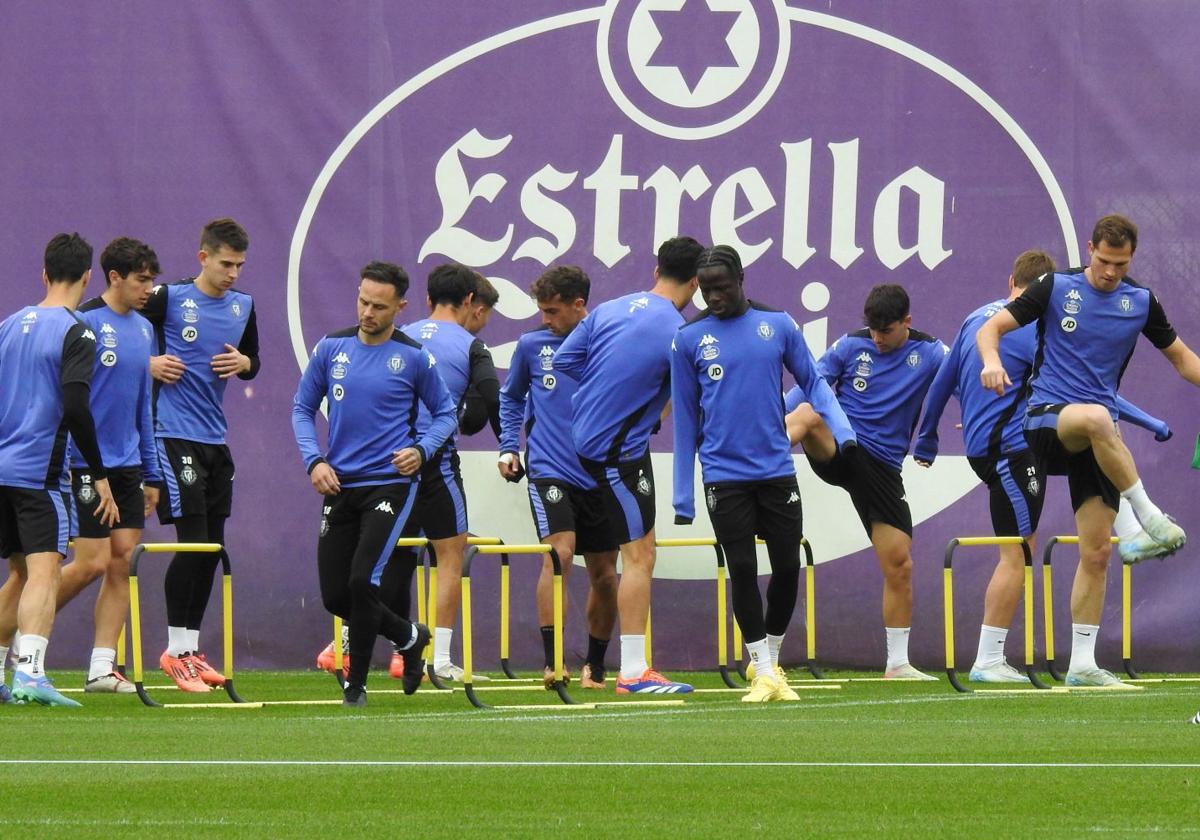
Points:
(760, 657)
(1083, 647)
(1143, 508)
(15, 646)
(103, 660)
(1127, 524)
(633, 656)
(774, 643)
(177, 641)
(193, 640)
(991, 646)
(32, 660)
(3, 658)
(441, 646)
(897, 646)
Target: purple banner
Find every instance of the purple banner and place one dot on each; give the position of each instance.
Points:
(835, 144)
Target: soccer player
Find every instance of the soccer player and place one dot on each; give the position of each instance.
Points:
(121, 406)
(207, 333)
(880, 375)
(374, 377)
(999, 454)
(46, 358)
(567, 509)
(1088, 323)
(723, 362)
(621, 354)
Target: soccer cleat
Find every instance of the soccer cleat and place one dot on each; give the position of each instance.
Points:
(354, 696)
(110, 683)
(548, 678)
(27, 689)
(1196, 719)
(651, 682)
(786, 692)
(182, 670)
(454, 673)
(1095, 678)
(591, 678)
(414, 660)
(326, 662)
(763, 689)
(1001, 672)
(396, 665)
(207, 673)
(1141, 546)
(1163, 530)
(907, 672)
(6, 695)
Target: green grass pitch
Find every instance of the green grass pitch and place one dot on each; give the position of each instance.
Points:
(861, 757)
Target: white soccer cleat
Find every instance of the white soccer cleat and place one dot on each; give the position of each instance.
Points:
(1164, 531)
(1095, 678)
(907, 672)
(1001, 672)
(454, 673)
(1141, 546)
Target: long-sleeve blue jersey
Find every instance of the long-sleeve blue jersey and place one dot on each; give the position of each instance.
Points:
(196, 327)
(535, 396)
(42, 349)
(881, 393)
(454, 348)
(993, 425)
(374, 391)
(621, 356)
(1086, 337)
(121, 389)
(726, 377)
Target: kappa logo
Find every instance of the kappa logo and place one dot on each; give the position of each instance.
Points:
(386, 507)
(88, 334)
(546, 356)
(1073, 302)
(108, 336)
(1073, 294)
(708, 339)
(638, 303)
(342, 358)
(106, 328)
(432, 361)
(708, 348)
(864, 357)
(793, 498)
(191, 311)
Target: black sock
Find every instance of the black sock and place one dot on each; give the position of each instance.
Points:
(595, 656)
(548, 644)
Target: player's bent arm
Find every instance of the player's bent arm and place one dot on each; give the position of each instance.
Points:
(1184, 360)
(248, 346)
(571, 356)
(685, 396)
(799, 361)
(987, 341)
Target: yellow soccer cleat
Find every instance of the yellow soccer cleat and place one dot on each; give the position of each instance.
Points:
(763, 689)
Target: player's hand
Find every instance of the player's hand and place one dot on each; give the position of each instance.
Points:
(509, 466)
(106, 511)
(325, 480)
(994, 378)
(167, 368)
(150, 496)
(407, 461)
(921, 463)
(230, 363)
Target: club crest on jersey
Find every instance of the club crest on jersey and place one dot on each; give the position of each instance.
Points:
(189, 334)
(428, 331)
(1068, 324)
(708, 348)
(716, 372)
(914, 359)
(191, 312)
(863, 368)
(338, 392)
(1035, 486)
(1126, 303)
(396, 363)
(765, 331)
(108, 336)
(859, 384)
(643, 485)
(638, 303)
(553, 494)
(108, 358)
(188, 475)
(236, 309)
(548, 381)
(339, 365)
(546, 357)
(711, 499)
(86, 494)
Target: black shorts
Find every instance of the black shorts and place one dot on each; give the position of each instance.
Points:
(626, 490)
(1016, 488)
(558, 506)
(359, 529)
(741, 510)
(875, 487)
(441, 506)
(126, 486)
(1084, 476)
(198, 479)
(35, 521)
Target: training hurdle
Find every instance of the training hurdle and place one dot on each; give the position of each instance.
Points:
(135, 614)
(1126, 608)
(948, 604)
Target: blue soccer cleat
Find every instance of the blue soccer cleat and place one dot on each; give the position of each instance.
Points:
(651, 682)
(6, 695)
(27, 689)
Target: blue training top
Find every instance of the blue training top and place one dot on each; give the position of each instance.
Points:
(120, 397)
(536, 396)
(374, 391)
(621, 356)
(726, 377)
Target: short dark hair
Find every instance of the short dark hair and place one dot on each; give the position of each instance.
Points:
(386, 272)
(723, 256)
(677, 259)
(450, 283)
(485, 292)
(1116, 231)
(126, 256)
(224, 231)
(886, 304)
(562, 281)
(1031, 265)
(68, 258)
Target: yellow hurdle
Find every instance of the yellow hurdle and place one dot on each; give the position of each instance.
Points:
(1048, 607)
